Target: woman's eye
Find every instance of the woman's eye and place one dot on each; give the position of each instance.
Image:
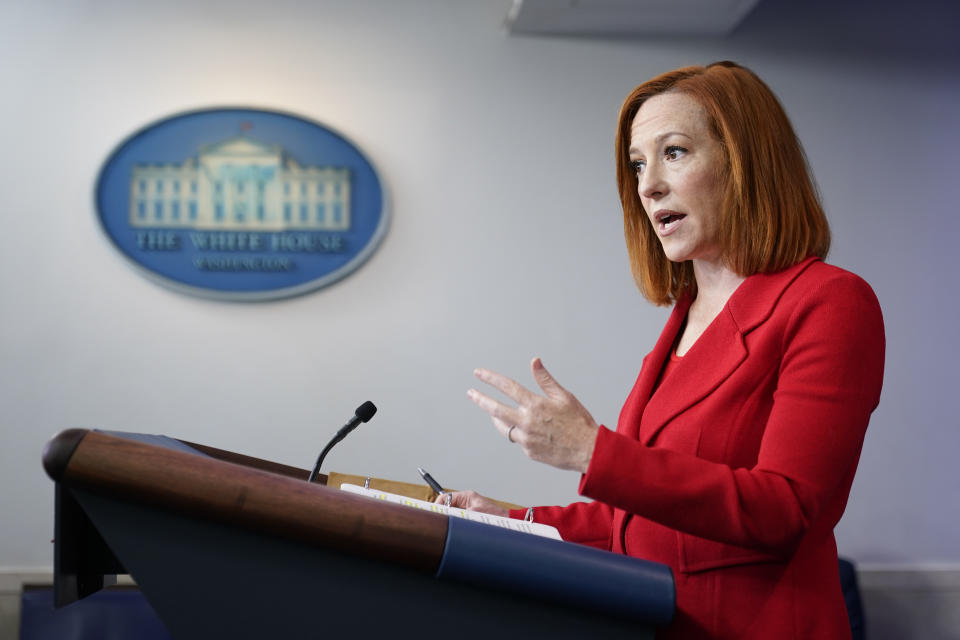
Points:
(638, 165)
(674, 152)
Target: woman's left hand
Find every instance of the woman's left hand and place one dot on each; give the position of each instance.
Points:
(553, 428)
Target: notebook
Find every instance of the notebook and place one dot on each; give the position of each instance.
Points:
(523, 526)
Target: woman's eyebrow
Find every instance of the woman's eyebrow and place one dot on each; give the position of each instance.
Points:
(634, 150)
(660, 137)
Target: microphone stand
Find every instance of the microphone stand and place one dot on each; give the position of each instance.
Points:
(323, 454)
(363, 414)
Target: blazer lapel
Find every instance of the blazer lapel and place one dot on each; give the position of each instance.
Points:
(650, 371)
(714, 356)
(711, 360)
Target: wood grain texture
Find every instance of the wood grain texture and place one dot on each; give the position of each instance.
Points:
(256, 463)
(251, 498)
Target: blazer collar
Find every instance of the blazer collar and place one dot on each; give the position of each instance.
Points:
(756, 298)
(714, 356)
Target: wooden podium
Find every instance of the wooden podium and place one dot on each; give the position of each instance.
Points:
(226, 545)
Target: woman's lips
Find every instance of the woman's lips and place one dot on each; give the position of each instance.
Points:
(668, 221)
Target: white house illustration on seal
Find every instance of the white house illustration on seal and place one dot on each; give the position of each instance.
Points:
(240, 185)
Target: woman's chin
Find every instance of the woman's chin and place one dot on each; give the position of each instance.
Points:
(675, 254)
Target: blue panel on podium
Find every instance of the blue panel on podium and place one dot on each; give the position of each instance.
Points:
(558, 571)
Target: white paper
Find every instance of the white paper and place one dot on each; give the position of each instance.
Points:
(508, 523)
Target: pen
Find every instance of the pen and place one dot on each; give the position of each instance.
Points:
(430, 481)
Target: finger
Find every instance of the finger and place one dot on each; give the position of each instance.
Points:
(509, 431)
(493, 408)
(502, 427)
(510, 388)
(458, 499)
(546, 381)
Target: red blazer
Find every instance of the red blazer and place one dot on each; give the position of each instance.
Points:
(735, 471)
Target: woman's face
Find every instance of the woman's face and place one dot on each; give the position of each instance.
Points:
(679, 167)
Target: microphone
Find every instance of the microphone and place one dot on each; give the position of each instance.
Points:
(363, 414)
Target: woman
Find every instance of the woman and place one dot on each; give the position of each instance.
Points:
(734, 454)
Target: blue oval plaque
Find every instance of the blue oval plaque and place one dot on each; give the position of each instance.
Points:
(241, 204)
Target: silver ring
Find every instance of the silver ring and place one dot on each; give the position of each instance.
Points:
(510, 433)
(446, 499)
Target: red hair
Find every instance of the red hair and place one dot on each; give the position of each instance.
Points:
(771, 216)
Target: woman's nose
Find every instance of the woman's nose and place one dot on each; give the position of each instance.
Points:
(651, 184)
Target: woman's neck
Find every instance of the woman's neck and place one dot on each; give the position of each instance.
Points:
(716, 282)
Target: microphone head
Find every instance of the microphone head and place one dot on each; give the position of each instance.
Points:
(365, 411)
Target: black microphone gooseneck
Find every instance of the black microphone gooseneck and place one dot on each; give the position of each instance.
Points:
(363, 414)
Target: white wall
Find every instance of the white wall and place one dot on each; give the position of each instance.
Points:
(506, 242)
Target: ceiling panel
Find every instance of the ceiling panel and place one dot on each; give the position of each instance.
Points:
(627, 17)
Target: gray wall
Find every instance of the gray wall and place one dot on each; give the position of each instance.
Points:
(506, 240)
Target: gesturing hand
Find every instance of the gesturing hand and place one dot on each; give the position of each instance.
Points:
(553, 428)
